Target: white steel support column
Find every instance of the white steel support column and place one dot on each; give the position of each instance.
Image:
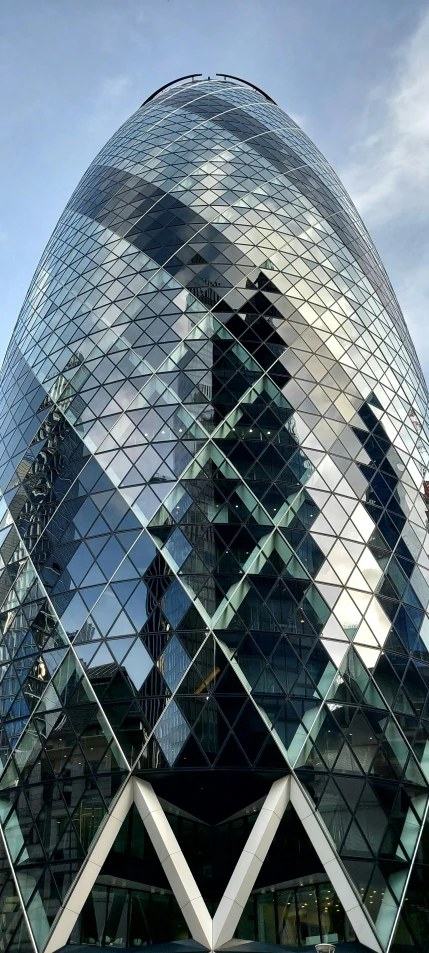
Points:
(350, 901)
(175, 865)
(213, 933)
(82, 887)
(250, 862)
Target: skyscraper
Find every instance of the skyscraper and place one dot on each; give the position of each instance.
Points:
(214, 556)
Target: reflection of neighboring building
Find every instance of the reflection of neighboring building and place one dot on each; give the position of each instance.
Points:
(214, 681)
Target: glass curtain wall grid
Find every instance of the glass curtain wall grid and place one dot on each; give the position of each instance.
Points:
(214, 557)
(288, 916)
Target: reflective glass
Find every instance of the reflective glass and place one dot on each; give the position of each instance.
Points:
(214, 557)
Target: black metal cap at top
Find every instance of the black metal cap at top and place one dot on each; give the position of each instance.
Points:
(171, 83)
(246, 83)
(193, 76)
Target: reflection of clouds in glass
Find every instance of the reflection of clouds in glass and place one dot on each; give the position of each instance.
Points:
(211, 350)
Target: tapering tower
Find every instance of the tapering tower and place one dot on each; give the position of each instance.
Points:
(214, 556)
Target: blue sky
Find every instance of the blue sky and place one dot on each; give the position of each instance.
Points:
(353, 73)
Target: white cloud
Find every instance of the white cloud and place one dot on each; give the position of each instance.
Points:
(390, 168)
(388, 179)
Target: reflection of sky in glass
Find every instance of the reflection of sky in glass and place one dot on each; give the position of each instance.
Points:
(138, 664)
(247, 383)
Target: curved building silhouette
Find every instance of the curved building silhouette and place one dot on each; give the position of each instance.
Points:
(214, 557)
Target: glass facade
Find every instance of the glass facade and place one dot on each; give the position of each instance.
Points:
(301, 915)
(214, 557)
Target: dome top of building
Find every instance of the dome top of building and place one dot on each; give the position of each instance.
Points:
(195, 78)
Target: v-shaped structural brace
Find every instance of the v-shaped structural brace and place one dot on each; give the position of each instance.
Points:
(212, 933)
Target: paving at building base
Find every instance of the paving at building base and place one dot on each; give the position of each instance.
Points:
(243, 946)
